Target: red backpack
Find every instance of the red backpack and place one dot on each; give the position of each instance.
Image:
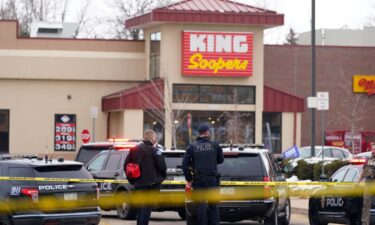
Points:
(133, 170)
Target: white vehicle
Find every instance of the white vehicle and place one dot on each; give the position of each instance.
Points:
(330, 154)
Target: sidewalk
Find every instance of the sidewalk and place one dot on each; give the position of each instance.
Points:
(300, 205)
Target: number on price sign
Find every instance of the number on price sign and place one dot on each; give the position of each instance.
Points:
(65, 132)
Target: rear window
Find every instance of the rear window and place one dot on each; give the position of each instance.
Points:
(85, 154)
(241, 165)
(62, 171)
(21, 172)
(173, 160)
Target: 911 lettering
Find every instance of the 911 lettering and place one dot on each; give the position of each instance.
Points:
(334, 202)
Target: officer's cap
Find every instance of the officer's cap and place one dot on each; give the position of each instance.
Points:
(203, 128)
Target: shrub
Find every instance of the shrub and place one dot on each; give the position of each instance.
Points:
(306, 171)
(329, 169)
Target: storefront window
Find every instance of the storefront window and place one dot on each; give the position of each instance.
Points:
(272, 131)
(4, 131)
(226, 127)
(154, 120)
(213, 94)
(155, 55)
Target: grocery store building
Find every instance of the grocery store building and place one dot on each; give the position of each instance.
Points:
(200, 61)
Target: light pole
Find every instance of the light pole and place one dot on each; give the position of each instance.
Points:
(313, 76)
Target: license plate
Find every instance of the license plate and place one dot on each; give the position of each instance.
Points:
(179, 178)
(70, 196)
(227, 191)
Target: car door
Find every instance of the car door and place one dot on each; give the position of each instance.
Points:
(335, 203)
(112, 170)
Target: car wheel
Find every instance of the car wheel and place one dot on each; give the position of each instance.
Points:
(182, 213)
(191, 219)
(285, 219)
(125, 211)
(6, 221)
(273, 219)
(314, 212)
(354, 220)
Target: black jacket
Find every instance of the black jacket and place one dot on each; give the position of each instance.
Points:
(151, 162)
(201, 159)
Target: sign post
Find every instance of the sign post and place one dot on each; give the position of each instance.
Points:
(323, 104)
(93, 115)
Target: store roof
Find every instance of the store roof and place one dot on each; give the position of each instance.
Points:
(207, 11)
(150, 95)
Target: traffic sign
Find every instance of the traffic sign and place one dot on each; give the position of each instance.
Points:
(312, 102)
(323, 100)
(85, 136)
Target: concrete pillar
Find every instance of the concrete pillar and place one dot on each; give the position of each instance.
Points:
(287, 130)
(133, 123)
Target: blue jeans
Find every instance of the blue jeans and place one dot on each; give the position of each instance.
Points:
(207, 213)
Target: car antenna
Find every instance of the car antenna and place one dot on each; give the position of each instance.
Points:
(52, 156)
(46, 156)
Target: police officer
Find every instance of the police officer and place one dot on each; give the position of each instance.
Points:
(153, 171)
(200, 169)
(369, 175)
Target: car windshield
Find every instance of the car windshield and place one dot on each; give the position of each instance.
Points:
(86, 154)
(306, 152)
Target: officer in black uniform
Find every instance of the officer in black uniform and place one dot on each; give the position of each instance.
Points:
(200, 169)
(369, 175)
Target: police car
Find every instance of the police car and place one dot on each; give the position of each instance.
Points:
(325, 209)
(31, 193)
(246, 163)
(109, 164)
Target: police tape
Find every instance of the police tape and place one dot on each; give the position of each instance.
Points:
(170, 182)
(176, 198)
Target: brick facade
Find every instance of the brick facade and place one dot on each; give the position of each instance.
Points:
(288, 68)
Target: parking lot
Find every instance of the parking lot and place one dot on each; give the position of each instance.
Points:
(166, 218)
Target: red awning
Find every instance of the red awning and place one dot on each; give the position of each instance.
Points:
(278, 101)
(150, 95)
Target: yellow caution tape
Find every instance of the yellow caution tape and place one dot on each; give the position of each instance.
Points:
(179, 197)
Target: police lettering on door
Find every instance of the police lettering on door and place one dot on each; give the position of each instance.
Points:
(334, 202)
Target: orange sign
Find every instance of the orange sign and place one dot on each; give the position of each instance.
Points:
(217, 54)
(364, 83)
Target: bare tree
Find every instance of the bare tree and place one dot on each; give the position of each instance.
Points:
(238, 129)
(126, 9)
(355, 108)
(168, 113)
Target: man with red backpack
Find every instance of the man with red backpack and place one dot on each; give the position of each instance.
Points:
(148, 166)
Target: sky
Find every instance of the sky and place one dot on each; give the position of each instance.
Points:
(347, 14)
(337, 14)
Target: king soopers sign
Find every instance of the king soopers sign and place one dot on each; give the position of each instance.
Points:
(217, 54)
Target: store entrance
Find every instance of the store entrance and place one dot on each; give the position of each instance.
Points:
(4, 131)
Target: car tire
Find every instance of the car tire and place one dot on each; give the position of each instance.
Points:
(354, 220)
(273, 219)
(125, 211)
(314, 212)
(6, 221)
(285, 219)
(182, 214)
(191, 219)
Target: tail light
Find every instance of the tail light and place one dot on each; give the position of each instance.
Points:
(33, 193)
(358, 161)
(267, 193)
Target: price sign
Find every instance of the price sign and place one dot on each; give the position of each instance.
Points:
(65, 132)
